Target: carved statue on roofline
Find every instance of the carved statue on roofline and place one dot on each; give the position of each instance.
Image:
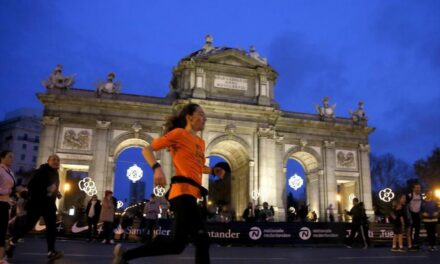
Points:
(326, 111)
(109, 86)
(359, 116)
(57, 80)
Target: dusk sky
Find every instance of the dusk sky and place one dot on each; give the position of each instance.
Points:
(386, 53)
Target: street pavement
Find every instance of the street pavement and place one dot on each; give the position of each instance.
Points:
(33, 251)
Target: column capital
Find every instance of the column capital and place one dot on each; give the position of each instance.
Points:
(101, 124)
(50, 120)
(329, 144)
(364, 147)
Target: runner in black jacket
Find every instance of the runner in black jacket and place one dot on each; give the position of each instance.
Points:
(43, 192)
(358, 218)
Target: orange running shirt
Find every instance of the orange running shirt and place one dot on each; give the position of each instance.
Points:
(188, 152)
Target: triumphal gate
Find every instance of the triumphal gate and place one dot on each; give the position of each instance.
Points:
(88, 129)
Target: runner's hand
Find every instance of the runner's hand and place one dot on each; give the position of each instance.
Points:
(159, 177)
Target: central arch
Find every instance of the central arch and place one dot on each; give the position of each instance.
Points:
(310, 160)
(118, 145)
(234, 151)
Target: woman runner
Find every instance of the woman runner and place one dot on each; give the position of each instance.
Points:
(188, 152)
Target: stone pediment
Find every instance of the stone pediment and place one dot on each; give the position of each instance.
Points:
(235, 58)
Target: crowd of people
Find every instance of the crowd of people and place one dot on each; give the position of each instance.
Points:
(40, 193)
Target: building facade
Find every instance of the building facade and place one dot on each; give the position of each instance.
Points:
(89, 129)
(20, 133)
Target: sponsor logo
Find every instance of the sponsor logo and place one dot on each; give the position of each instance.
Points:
(60, 227)
(228, 234)
(305, 233)
(76, 229)
(119, 230)
(39, 227)
(255, 233)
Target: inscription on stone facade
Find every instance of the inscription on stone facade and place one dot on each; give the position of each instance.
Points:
(76, 138)
(228, 82)
(346, 159)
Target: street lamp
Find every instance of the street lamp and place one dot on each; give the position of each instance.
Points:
(67, 187)
(437, 193)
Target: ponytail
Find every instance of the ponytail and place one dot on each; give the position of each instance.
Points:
(179, 120)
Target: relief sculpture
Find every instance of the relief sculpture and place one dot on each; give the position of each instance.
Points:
(74, 140)
(346, 160)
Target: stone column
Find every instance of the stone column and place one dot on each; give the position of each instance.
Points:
(49, 138)
(330, 190)
(280, 179)
(266, 170)
(322, 198)
(103, 178)
(200, 89)
(365, 179)
(263, 96)
(270, 168)
(313, 189)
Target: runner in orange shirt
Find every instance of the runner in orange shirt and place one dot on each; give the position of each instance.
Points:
(188, 152)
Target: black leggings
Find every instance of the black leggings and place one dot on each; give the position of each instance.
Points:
(92, 223)
(34, 212)
(4, 219)
(416, 227)
(188, 223)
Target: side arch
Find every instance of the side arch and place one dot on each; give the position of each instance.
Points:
(127, 140)
(309, 158)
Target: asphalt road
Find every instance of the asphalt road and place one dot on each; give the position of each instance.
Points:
(33, 250)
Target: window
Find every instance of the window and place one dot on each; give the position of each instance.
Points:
(37, 139)
(25, 136)
(24, 146)
(34, 159)
(35, 148)
(23, 157)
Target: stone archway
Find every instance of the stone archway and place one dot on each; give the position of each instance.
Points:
(312, 164)
(236, 152)
(121, 143)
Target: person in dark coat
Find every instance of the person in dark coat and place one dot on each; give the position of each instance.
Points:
(42, 195)
(93, 210)
(358, 216)
(249, 214)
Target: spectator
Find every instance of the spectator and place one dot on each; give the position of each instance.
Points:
(93, 211)
(398, 226)
(151, 212)
(330, 213)
(225, 214)
(265, 214)
(430, 215)
(406, 221)
(107, 216)
(249, 213)
(414, 200)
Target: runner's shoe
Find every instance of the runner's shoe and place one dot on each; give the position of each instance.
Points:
(53, 255)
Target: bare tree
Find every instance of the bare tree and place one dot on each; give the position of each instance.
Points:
(429, 170)
(389, 172)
